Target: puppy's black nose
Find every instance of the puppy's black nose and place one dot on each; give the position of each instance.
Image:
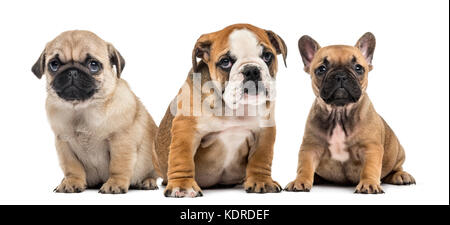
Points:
(341, 77)
(251, 73)
(72, 74)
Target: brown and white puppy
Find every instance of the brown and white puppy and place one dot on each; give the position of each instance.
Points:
(345, 140)
(220, 129)
(103, 133)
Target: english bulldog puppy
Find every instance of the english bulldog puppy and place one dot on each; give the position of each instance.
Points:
(346, 141)
(220, 130)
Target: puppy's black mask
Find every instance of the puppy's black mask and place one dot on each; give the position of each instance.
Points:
(340, 87)
(74, 82)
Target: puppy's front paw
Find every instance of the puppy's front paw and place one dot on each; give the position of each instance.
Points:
(115, 186)
(184, 187)
(299, 184)
(400, 178)
(71, 185)
(255, 184)
(369, 187)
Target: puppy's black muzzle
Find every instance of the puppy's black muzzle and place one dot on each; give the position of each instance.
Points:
(252, 80)
(73, 84)
(340, 87)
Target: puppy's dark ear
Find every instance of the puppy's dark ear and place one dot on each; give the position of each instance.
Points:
(39, 67)
(366, 44)
(278, 43)
(202, 50)
(116, 59)
(308, 48)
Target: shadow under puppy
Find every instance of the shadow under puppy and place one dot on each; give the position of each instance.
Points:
(103, 133)
(345, 140)
(220, 128)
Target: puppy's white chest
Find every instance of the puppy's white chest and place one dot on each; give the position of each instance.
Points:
(235, 135)
(337, 146)
(93, 152)
(233, 140)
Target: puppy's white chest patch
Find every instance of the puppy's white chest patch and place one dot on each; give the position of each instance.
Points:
(337, 146)
(90, 147)
(233, 134)
(232, 140)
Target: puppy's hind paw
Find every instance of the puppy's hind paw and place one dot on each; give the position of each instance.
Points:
(399, 178)
(148, 184)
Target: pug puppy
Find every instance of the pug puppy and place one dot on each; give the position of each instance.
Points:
(103, 133)
(345, 140)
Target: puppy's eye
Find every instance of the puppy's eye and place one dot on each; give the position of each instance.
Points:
(321, 70)
(267, 57)
(359, 69)
(54, 65)
(225, 63)
(94, 66)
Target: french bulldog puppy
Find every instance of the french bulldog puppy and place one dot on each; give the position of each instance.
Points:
(345, 140)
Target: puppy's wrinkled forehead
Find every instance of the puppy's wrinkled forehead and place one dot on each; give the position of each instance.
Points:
(339, 55)
(244, 44)
(240, 40)
(77, 45)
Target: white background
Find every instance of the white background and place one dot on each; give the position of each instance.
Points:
(409, 86)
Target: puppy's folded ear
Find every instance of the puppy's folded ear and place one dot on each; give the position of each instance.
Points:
(366, 44)
(308, 48)
(116, 59)
(278, 43)
(201, 50)
(39, 67)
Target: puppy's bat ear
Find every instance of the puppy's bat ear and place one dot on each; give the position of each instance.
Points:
(308, 48)
(201, 50)
(278, 43)
(116, 59)
(39, 67)
(366, 44)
